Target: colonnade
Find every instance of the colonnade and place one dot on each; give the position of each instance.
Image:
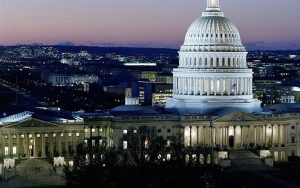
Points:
(209, 61)
(212, 86)
(35, 144)
(236, 136)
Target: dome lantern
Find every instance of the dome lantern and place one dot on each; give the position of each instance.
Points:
(213, 5)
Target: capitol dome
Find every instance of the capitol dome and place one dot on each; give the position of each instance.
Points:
(216, 33)
(213, 74)
(212, 33)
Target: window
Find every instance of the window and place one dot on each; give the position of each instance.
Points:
(168, 157)
(46, 135)
(62, 134)
(125, 145)
(30, 135)
(14, 150)
(77, 134)
(159, 130)
(293, 127)
(54, 135)
(70, 134)
(6, 150)
(85, 142)
(125, 131)
(100, 130)
(293, 153)
(100, 142)
(169, 130)
(22, 136)
(134, 131)
(38, 135)
(293, 139)
(93, 143)
(93, 130)
(85, 130)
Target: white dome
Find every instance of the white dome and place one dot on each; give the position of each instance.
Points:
(212, 73)
(212, 32)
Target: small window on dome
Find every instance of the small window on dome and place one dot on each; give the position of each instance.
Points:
(221, 35)
(212, 35)
(217, 35)
(206, 35)
(225, 35)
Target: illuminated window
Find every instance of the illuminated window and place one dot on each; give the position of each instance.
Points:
(134, 131)
(46, 135)
(54, 135)
(293, 127)
(85, 142)
(93, 130)
(70, 134)
(125, 131)
(85, 130)
(62, 134)
(100, 130)
(14, 150)
(6, 150)
(93, 142)
(125, 145)
(30, 135)
(100, 142)
(38, 135)
(77, 134)
(14, 136)
(168, 157)
(22, 136)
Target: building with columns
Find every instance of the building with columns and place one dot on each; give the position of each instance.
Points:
(212, 106)
(212, 73)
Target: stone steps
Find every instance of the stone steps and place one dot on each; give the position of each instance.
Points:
(246, 160)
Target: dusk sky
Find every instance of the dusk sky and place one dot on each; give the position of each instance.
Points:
(263, 24)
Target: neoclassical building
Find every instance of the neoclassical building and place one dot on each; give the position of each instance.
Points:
(212, 106)
(212, 73)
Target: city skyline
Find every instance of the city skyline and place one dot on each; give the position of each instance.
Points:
(264, 25)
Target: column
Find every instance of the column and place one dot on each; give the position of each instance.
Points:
(208, 86)
(43, 145)
(221, 86)
(215, 87)
(204, 135)
(235, 136)
(197, 135)
(27, 145)
(265, 135)
(59, 143)
(201, 86)
(35, 142)
(242, 136)
(18, 145)
(190, 136)
(272, 135)
(278, 134)
(74, 143)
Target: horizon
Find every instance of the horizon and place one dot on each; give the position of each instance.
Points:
(103, 24)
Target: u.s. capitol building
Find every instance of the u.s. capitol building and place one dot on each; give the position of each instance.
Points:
(212, 106)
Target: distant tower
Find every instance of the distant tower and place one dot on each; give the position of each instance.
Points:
(212, 73)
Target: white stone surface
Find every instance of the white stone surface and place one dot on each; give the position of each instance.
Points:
(212, 73)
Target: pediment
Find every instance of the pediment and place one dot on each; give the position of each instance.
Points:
(237, 116)
(32, 123)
